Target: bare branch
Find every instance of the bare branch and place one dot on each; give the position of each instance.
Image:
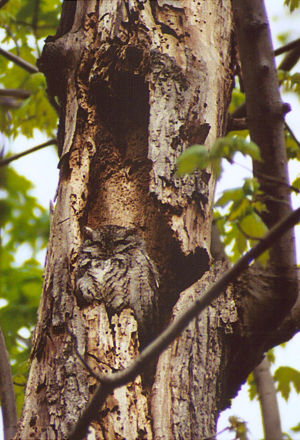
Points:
(268, 400)
(153, 350)
(19, 61)
(10, 102)
(290, 60)
(15, 93)
(7, 392)
(6, 161)
(287, 47)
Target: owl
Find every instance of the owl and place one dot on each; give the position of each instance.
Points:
(114, 268)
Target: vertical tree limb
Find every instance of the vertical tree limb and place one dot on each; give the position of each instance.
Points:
(265, 114)
(7, 392)
(268, 400)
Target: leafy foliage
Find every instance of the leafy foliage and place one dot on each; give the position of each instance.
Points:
(199, 157)
(242, 225)
(239, 427)
(296, 428)
(292, 145)
(290, 81)
(237, 99)
(285, 376)
(24, 223)
(293, 4)
(25, 24)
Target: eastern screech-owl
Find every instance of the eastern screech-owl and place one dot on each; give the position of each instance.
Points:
(114, 268)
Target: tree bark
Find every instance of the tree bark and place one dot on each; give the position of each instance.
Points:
(139, 82)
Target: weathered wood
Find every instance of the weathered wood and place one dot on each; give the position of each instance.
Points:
(142, 82)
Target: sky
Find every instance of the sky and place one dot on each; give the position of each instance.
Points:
(41, 168)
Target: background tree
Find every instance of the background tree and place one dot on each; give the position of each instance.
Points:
(106, 90)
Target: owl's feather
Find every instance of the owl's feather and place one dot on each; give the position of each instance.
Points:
(115, 268)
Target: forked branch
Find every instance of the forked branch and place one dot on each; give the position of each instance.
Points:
(153, 350)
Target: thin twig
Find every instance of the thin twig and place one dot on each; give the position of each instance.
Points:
(19, 61)
(15, 93)
(287, 47)
(6, 161)
(155, 348)
(268, 177)
(13, 37)
(290, 60)
(35, 15)
(213, 437)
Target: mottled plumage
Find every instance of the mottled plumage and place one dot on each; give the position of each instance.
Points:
(114, 268)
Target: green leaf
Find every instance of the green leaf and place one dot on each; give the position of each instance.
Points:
(240, 209)
(195, 157)
(296, 183)
(251, 186)
(229, 196)
(244, 224)
(229, 145)
(239, 427)
(237, 99)
(293, 4)
(252, 387)
(253, 225)
(296, 428)
(198, 156)
(271, 356)
(285, 376)
(240, 243)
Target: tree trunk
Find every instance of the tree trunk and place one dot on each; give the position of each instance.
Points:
(138, 82)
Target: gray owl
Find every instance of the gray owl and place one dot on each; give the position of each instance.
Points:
(114, 268)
